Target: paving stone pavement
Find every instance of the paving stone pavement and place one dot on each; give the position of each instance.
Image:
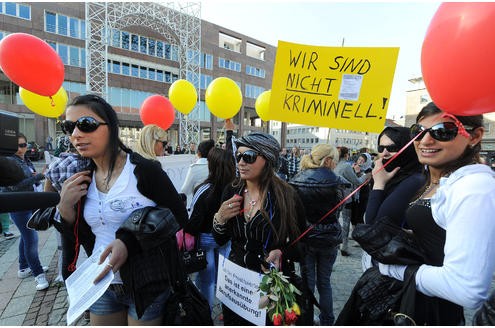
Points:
(22, 305)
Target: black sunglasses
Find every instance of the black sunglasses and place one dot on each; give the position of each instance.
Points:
(389, 148)
(85, 124)
(445, 131)
(23, 145)
(249, 156)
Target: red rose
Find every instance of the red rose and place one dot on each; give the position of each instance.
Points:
(290, 316)
(277, 319)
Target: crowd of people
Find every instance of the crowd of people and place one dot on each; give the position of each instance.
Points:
(251, 201)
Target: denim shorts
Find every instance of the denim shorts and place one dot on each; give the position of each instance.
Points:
(115, 299)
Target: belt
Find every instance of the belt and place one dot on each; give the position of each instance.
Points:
(119, 289)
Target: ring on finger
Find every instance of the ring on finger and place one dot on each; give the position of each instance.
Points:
(110, 265)
(82, 187)
(230, 205)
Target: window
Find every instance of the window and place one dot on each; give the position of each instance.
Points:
(50, 22)
(151, 74)
(159, 75)
(143, 44)
(135, 70)
(168, 77)
(175, 53)
(151, 47)
(159, 49)
(74, 56)
(62, 52)
(62, 24)
(205, 81)
(255, 71)
(116, 67)
(24, 12)
(143, 72)
(83, 57)
(229, 64)
(206, 61)
(253, 91)
(125, 69)
(83, 30)
(134, 42)
(74, 27)
(125, 40)
(167, 51)
(11, 8)
(116, 38)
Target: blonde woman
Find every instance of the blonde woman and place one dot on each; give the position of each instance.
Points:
(152, 142)
(320, 190)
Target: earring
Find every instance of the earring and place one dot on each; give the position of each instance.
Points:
(472, 146)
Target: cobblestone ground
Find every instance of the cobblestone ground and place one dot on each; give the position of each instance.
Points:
(22, 305)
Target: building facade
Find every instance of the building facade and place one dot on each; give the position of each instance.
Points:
(140, 62)
(418, 97)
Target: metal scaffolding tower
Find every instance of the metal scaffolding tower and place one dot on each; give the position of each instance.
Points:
(179, 23)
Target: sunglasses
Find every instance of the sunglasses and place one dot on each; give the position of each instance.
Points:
(23, 145)
(389, 148)
(85, 124)
(445, 131)
(249, 156)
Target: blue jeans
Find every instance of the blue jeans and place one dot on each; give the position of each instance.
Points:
(117, 300)
(206, 279)
(28, 244)
(319, 263)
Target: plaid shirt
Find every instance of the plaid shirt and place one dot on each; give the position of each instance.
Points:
(293, 165)
(64, 167)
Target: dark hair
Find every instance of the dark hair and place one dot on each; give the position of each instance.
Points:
(471, 154)
(205, 147)
(21, 135)
(407, 160)
(343, 151)
(103, 109)
(284, 196)
(221, 171)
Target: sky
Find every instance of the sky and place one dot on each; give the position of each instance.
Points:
(326, 23)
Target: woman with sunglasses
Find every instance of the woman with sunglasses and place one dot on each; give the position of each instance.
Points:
(394, 187)
(152, 142)
(29, 262)
(94, 203)
(260, 213)
(320, 190)
(452, 219)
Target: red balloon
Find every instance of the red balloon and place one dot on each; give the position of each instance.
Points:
(457, 58)
(157, 110)
(31, 63)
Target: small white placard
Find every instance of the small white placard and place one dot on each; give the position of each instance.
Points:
(237, 288)
(350, 88)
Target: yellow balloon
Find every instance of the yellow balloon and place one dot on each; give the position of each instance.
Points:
(223, 97)
(52, 106)
(183, 96)
(262, 105)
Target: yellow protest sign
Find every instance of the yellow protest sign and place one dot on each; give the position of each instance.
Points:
(339, 87)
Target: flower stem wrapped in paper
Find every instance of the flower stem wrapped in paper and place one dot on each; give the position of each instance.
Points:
(278, 295)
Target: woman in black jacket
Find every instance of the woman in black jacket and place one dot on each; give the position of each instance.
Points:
(94, 203)
(261, 214)
(321, 190)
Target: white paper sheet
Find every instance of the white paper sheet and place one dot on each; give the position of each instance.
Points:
(81, 289)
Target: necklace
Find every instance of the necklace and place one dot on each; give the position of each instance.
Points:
(432, 186)
(252, 203)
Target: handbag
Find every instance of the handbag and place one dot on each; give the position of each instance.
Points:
(151, 226)
(186, 306)
(387, 243)
(42, 219)
(485, 316)
(194, 260)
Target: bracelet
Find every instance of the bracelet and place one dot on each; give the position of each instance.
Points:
(217, 226)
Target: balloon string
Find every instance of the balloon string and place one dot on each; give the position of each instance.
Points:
(354, 191)
(52, 102)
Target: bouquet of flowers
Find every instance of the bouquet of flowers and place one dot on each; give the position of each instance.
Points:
(278, 295)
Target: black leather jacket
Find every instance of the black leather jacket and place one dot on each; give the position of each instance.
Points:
(320, 190)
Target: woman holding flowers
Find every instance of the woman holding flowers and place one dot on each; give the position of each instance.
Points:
(260, 213)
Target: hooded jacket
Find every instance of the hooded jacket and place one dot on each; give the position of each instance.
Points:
(320, 190)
